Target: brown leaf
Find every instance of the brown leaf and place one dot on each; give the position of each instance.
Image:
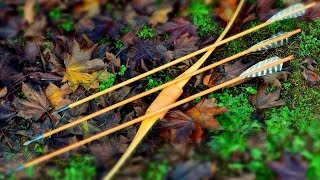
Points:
(309, 72)
(191, 121)
(262, 100)
(79, 66)
(56, 95)
(225, 73)
(3, 91)
(6, 111)
(226, 9)
(273, 78)
(113, 59)
(147, 50)
(160, 16)
(312, 13)
(192, 170)
(177, 27)
(91, 7)
(29, 11)
(204, 111)
(264, 9)
(184, 45)
(35, 104)
(289, 168)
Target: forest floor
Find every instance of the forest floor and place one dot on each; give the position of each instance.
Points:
(51, 53)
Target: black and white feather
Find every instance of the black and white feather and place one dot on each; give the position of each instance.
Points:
(262, 64)
(288, 10)
(272, 45)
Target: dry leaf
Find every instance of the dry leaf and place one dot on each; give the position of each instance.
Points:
(160, 16)
(309, 72)
(3, 91)
(184, 45)
(191, 121)
(262, 100)
(226, 9)
(29, 11)
(79, 66)
(91, 7)
(56, 95)
(35, 104)
(273, 78)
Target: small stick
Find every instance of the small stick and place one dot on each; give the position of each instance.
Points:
(134, 121)
(178, 60)
(177, 80)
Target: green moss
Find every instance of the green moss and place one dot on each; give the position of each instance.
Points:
(67, 25)
(237, 46)
(146, 32)
(119, 44)
(309, 45)
(55, 14)
(122, 70)
(198, 13)
(107, 83)
(156, 171)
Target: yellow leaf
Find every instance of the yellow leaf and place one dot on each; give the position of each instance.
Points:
(160, 16)
(29, 11)
(79, 67)
(56, 95)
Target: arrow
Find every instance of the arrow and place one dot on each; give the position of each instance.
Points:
(255, 70)
(280, 16)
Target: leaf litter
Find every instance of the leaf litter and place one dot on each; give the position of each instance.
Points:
(51, 53)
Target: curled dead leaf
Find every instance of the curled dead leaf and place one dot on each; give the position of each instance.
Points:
(309, 72)
(56, 95)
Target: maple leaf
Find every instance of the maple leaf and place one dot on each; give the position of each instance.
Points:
(35, 104)
(309, 72)
(184, 45)
(79, 66)
(262, 100)
(194, 119)
(160, 16)
(56, 95)
(289, 167)
(177, 27)
(225, 73)
(147, 50)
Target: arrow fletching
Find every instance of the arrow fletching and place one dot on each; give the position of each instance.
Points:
(288, 10)
(272, 45)
(262, 64)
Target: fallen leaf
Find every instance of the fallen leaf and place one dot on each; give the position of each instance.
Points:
(264, 9)
(9, 68)
(178, 27)
(261, 100)
(146, 50)
(56, 95)
(29, 11)
(289, 167)
(273, 79)
(184, 45)
(309, 72)
(79, 66)
(225, 73)
(6, 111)
(204, 111)
(35, 104)
(191, 121)
(91, 7)
(160, 16)
(192, 170)
(3, 91)
(312, 13)
(226, 9)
